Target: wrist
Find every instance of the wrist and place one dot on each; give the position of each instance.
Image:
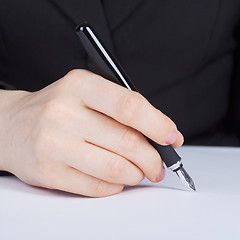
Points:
(9, 102)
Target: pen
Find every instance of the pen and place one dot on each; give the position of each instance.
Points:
(109, 68)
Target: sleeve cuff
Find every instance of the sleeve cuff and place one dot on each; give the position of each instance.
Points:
(6, 86)
(3, 173)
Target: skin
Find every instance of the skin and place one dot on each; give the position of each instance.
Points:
(82, 134)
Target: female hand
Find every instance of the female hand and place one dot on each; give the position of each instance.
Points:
(82, 134)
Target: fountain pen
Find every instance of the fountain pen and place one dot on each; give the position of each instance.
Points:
(109, 68)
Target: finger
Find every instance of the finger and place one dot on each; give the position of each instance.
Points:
(73, 181)
(127, 107)
(179, 142)
(109, 134)
(104, 165)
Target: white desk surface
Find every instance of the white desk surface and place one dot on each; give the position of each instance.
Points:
(148, 211)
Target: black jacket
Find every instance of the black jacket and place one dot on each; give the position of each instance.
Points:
(182, 55)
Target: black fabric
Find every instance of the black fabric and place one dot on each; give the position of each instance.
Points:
(5, 66)
(4, 75)
(235, 100)
(182, 55)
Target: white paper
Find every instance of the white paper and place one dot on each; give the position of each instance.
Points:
(167, 210)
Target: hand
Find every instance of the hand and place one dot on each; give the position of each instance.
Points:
(81, 134)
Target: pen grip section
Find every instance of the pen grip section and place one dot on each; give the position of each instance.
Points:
(167, 153)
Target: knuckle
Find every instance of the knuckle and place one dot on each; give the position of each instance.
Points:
(153, 168)
(120, 188)
(129, 106)
(115, 169)
(136, 180)
(79, 79)
(100, 189)
(74, 73)
(130, 139)
(73, 78)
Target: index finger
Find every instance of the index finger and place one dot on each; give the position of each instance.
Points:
(127, 107)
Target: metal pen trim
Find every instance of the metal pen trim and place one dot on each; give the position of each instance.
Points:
(175, 166)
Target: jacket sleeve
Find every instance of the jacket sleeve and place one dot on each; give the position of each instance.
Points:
(236, 86)
(236, 98)
(5, 74)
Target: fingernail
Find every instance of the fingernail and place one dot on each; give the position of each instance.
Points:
(161, 175)
(172, 137)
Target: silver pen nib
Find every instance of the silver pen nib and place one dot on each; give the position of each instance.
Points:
(186, 179)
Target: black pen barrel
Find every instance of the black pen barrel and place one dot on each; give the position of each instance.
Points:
(109, 68)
